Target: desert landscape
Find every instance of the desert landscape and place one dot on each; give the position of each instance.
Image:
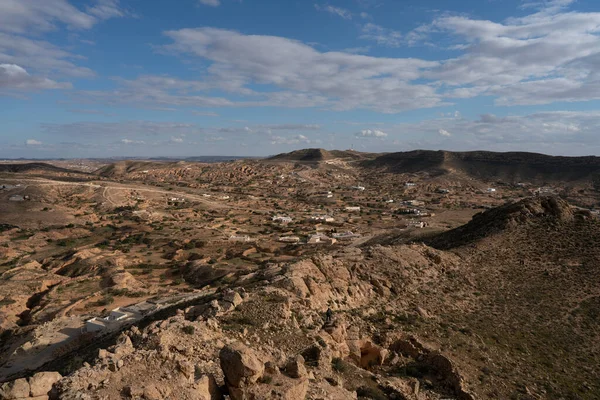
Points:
(313, 274)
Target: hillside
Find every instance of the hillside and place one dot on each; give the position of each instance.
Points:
(34, 167)
(122, 168)
(316, 155)
(509, 167)
(529, 211)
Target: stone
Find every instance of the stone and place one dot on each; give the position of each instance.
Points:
(233, 298)
(41, 383)
(280, 387)
(295, 367)
(207, 388)
(16, 389)
(152, 393)
(240, 364)
(187, 369)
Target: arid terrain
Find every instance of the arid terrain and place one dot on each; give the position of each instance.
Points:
(315, 274)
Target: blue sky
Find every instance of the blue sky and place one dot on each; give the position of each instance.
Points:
(100, 78)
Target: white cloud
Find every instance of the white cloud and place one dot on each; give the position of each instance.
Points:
(555, 132)
(22, 16)
(211, 3)
(129, 141)
(15, 77)
(340, 12)
(297, 139)
(548, 56)
(382, 36)
(39, 56)
(175, 139)
(105, 9)
(33, 142)
(444, 132)
(372, 133)
(116, 129)
(305, 76)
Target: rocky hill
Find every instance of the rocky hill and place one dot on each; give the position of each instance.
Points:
(532, 211)
(316, 155)
(123, 168)
(509, 167)
(33, 168)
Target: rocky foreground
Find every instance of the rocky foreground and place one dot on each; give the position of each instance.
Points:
(507, 314)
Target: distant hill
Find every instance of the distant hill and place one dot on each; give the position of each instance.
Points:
(510, 167)
(316, 155)
(121, 168)
(35, 167)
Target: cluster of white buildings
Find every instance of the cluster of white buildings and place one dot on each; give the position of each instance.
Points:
(321, 218)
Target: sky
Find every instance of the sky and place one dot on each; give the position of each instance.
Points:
(149, 78)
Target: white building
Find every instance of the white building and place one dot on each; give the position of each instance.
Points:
(491, 190)
(281, 218)
(353, 209)
(410, 184)
(242, 238)
(417, 224)
(346, 235)
(114, 319)
(320, 238)
(96, 324)
(361, 188)
(289, 239)
(322, 218)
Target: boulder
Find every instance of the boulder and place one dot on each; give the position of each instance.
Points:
(16, 389)
(371, 355)
(41, 383)
(240, 365)
(233, 298)
(280, 387)
(207, 388)
(295, 367)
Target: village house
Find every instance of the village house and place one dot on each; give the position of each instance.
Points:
(416, 203)
(410, 184)
(417, 224)
(282, 219)
(353, 209)
(116, 317)
(320, 238)
(346, 235)
(490, 190)
(360, 188)
(173, 201)
(240, 238)
(321, 218)
(289, 239)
